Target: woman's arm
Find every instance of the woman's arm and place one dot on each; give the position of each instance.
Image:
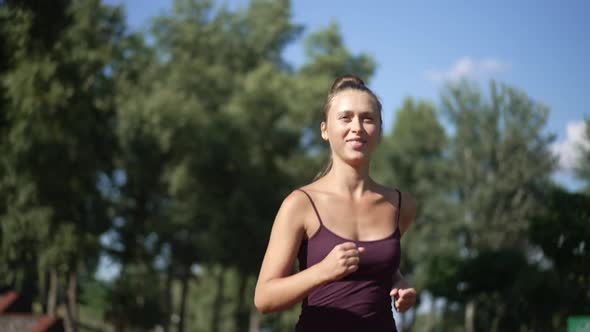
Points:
(275, 289)
(399, 281)
(403, 293)
(407, 212)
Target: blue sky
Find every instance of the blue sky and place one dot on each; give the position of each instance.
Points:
(541, 47)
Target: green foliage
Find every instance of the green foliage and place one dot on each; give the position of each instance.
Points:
(475, 191)
(329, 56)
(500, 165)
(134, 302)
(511, 293)
(412, 158)
(562, 232)
(443, 273)
(57, 119)
(491, 271)
(500, 162)
(207, 119)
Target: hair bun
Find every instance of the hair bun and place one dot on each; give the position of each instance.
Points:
(347, 81)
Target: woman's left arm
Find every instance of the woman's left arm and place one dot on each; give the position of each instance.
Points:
(403, 293)
(407, 212)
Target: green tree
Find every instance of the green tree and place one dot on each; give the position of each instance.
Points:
(25, 220)
(210, 106)
(235, 137)
(500, 164)
(562, 231)
(412, 158)
(58, 114)
(179, 149)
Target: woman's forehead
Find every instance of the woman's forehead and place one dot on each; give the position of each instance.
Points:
(352, 100)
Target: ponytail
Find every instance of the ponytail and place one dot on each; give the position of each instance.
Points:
(325, 171)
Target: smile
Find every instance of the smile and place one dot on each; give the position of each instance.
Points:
(357, 143)
(358, 140)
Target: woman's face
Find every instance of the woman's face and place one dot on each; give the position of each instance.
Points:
(352, 126)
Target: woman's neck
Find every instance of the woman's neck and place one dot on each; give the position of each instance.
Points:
(349, 180)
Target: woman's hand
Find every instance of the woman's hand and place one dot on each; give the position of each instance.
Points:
(341, 261)
(404, 298)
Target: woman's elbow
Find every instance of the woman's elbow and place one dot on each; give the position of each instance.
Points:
(262, 309)
(261, 304)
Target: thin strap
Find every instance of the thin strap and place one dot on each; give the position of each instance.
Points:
(313, 205)
(399, 206)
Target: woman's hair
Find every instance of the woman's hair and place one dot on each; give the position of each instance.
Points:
(348, 82)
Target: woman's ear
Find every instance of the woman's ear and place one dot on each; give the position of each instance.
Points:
(324, 130)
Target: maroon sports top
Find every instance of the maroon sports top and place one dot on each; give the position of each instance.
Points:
(359, 301)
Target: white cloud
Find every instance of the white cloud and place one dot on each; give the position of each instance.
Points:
(568, 151)
(468, 67)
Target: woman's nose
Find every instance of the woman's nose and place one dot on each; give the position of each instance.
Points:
(356, 125)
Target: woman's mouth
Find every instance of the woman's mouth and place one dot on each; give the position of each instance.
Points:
(356, 143)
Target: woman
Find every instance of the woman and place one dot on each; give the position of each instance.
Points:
(344, 228)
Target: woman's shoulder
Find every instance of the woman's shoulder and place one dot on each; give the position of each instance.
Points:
(394, 194)
(299, 201)
(295, 199)
(315, 189)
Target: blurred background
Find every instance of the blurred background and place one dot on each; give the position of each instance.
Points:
(145, 147)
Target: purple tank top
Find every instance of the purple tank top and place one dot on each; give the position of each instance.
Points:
(359, 301)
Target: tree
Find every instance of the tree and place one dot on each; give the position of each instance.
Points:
(562, 231)
(175, 148)
(210, 98)
(25, 220)
(500, 163)
(58, 125)
(412, 158)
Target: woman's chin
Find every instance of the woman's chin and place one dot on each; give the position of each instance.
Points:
(357, 159)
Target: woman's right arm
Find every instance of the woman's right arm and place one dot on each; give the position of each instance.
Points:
(276, 290)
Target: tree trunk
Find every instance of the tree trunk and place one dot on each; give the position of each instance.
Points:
(218, 301)
(168, 299)
(52, 292)
(44, 286)
(28, 286)
(71, 321)
(254, 320)
(470, 316)
(443, 315)
(242, 313)
(410, 325)
(183, 299)
(432, 317)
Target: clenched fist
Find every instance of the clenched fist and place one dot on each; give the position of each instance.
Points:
(342, 261)
(404, 298)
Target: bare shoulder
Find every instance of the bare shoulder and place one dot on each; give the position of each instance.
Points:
(407, 208)
(287, 232)
(318, 186)
(294, 204)
(289, 225)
